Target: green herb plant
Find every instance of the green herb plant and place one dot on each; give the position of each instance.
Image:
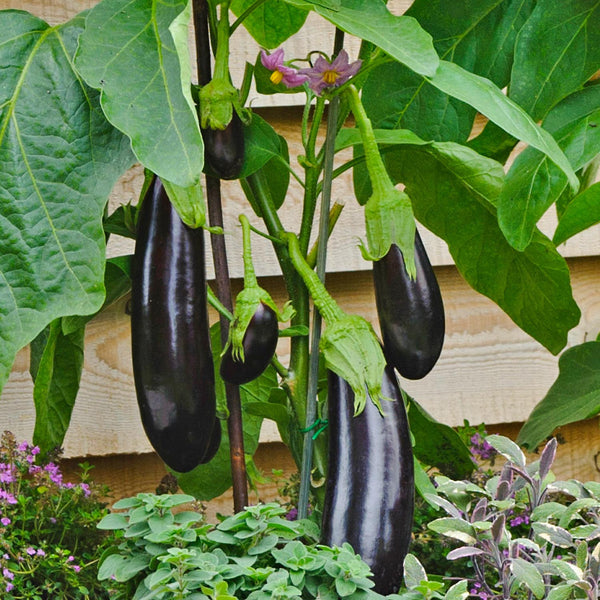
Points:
(170, 553)
(520, 535)
(49, 543)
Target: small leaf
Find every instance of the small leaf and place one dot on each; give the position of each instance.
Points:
(527, 574)
(464, 552)
(458, 529)
(553, 534)
(507, 448)
(414, 573)
(581, 213)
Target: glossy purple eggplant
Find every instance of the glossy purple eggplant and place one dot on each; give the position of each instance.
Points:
(259, 343)
(224, 148)
(411, 312)
(172, 359)
(369, 495)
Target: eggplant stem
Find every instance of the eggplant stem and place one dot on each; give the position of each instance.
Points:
(215, 215)
(325, 226)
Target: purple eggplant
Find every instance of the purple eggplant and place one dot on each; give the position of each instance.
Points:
(369, 495)
(259, 343)
(411, 312)
(172, 359)
(224, 148)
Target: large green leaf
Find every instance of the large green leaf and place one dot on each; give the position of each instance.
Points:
(575, 395)
(59, 160)
(454, 192)
(212, 479)
(438, 445)
(400, 36)
(489, 100)
(130, 50)
(557, 51)
(533, 182)
(271, 23)
(57, 362)
(477, 35)
(582, 212)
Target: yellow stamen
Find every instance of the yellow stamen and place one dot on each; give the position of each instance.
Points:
(330, 77)
(276, 77)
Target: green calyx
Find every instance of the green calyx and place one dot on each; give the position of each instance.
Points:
(388, 212)
(389, 220)
(351, 349)
(349, 343)
(249, 299)
(246, 304)
(219, 98)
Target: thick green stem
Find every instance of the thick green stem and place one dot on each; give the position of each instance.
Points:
(249, 273)
(327, 306)
(380, 180)
(221, 70)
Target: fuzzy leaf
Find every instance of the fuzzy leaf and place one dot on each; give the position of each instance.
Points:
(489, 100)
(399, 36)
(449, 183)
(574, 396)
(153, 108)
(507, 448)
(58, 168)
(528, 575)
(533, 182)
(478, 35)
(581, 213)
(458, 529)
(271, 23)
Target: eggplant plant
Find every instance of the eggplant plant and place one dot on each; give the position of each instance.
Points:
(117, 89)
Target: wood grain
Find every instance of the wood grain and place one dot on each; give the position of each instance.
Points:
(489, 371)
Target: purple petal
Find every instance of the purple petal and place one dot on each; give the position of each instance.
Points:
(272, 61)
(340, 63)
(291, 77)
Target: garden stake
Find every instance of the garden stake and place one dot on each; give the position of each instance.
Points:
(215, 217)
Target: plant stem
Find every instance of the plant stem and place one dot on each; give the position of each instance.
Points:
(215, 213)
(324, 229)
(249, 274)
(380, 180)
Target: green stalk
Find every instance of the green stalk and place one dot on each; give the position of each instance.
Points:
(380, 180)
(324, 229)
(222, 56)
(249, 273)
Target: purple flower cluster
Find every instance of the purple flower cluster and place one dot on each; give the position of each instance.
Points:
(322, 76)
(31, 497)
(481, 449)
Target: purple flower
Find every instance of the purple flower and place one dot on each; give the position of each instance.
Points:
(8, 574)
(86, 489)
(7, 497)
(5, 521)
(289, 76)
(325, 74)
(40, 552)
(292, 514)
(9, 587)
(76, 568)
(30, 551)
(480, 448)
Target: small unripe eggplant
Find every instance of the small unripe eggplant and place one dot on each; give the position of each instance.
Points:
(369, 494)
(410, 311)
(224, 148)
(259, 344)
(172, 359)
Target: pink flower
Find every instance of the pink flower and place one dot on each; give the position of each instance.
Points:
(5, 521)
(9, 587)
(76, 568)
(289, 76)
(30, 551)
(8, 574)
(325, 74)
